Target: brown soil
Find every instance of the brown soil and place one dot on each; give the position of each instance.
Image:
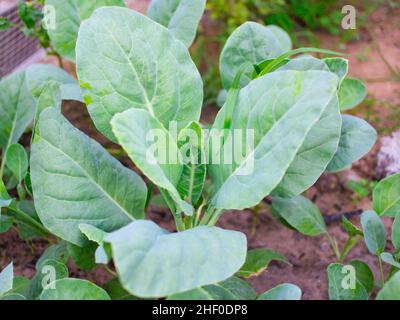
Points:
(309, 256)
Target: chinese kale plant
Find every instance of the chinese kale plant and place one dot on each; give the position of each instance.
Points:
(136, 77)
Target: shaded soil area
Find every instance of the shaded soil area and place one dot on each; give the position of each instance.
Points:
(309, 256)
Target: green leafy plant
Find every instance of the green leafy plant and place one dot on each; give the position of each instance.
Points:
(137, 78)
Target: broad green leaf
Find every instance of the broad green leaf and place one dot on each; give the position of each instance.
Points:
(153, 150)
(285, 291)
(142, 250)
(389, 259)
(17, 108)
(16, 160)
(279, 124)
(92, 233)
(314, 155)
(103, 253)
(191, 145)
(396, 232)
(74, 289)
(257, 261)
(6, 279)
(6, 223)
(84, 258)
(125, 60)
(13, 297)
(301, 214)
(250, 44)
(282, 36)
(181, 17)
(391, 290)
(386, 196)
(357, 139)
(20, 286)
(364, 274)
(76, 181)
(47, 271)
(57, 252)
(339, 66)
(374, 232)
(232, 289)
(352, 92)
(321, 143)
(50, 96)
(350, 228)
(117, 292)
(39, 75)
(69, 16)
(343, 285)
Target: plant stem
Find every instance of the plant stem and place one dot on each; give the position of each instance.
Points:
(214, 219)
(350, 243)
(381, 270)
(333, 245)
(29, 220)
(207, 216)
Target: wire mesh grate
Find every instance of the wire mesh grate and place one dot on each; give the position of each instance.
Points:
(15, 47)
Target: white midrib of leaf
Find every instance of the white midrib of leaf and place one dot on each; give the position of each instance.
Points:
(91, 179)
(148, 102)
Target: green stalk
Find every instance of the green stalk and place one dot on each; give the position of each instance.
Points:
(333, 245)
(27, 219)
(381, 270)
(350, 244)
(207, 216)
(214, 219)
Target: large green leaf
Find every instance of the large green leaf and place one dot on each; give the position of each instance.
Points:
(389, 259)
(285, 291)
(314, 155)
(251, 44)
(181, 17)
(154, 263)
(386, 196)
(159, 159)
(39, 75)
(232, 289)
(357, 139)
(321, 143)
(280, 109)
(46, 269)
(76, 181)
(301, 214)
(74, 289)
(126, 60)
(17, 108)
(257, 260)
(340, 288)
(16, 160)
(84, 258)
(364, 274)
(191, 145)
(69, 16)
(374, 232)
(6, 279)
(339, 66)
(352, 92)
(117, 292)
(391, 290)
